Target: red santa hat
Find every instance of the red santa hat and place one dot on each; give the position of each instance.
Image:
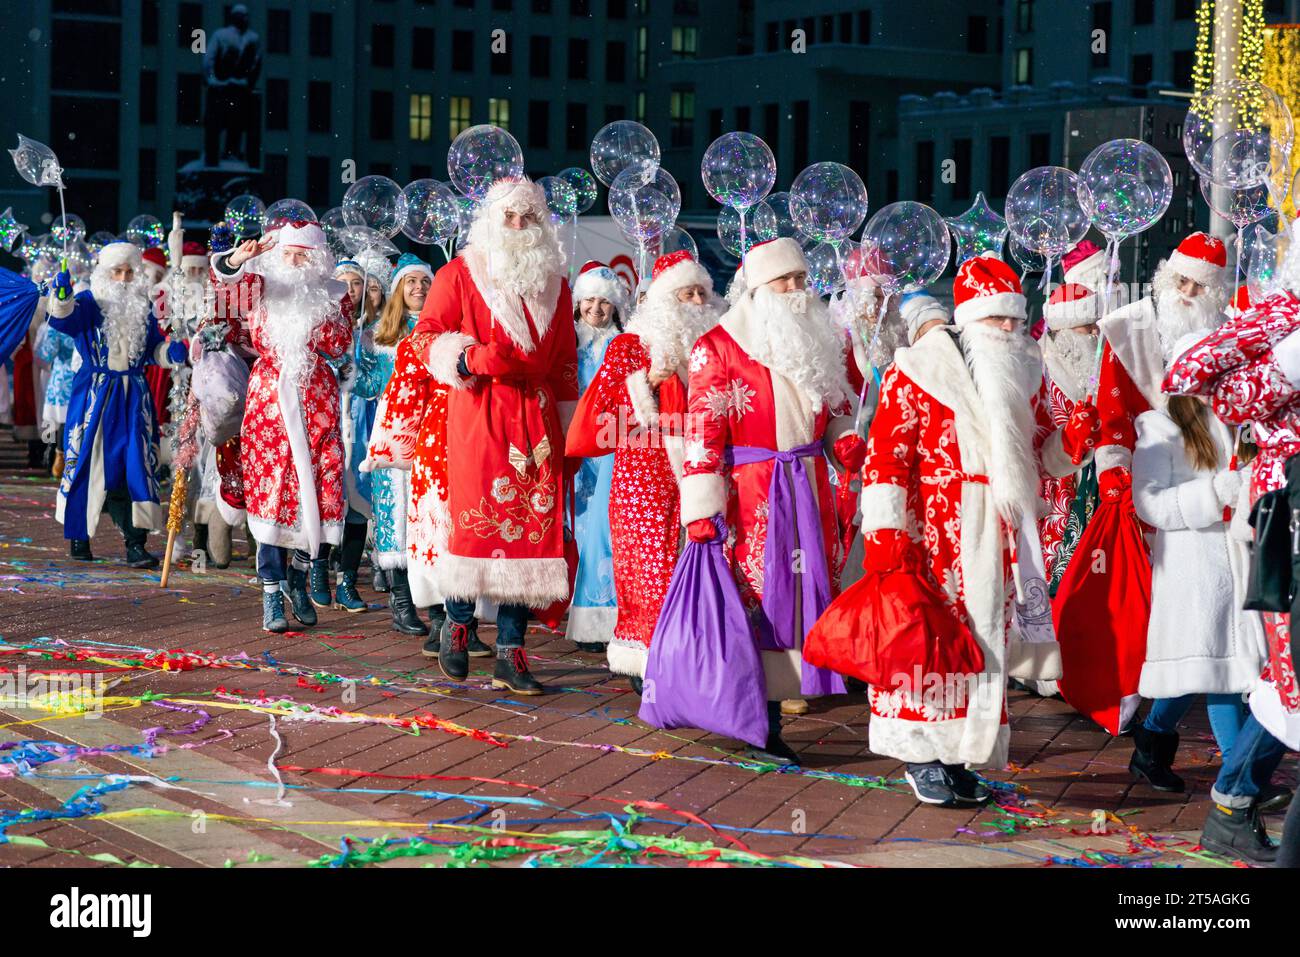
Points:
(772, 260)
(194, 255)
(677, 271)
(1240, 302)
(1070, 306)
(302, 234)
(597, 281)
(1085, 265)
(154, 256)
(986, 287)
(1201, 258)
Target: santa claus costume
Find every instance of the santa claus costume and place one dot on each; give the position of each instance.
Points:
(1107, 608)
(599, 296)
(951, 511)
(504, 342)
(1069, 349)
(641, 423)
(291, 447)
(111, 444)
(769, 398)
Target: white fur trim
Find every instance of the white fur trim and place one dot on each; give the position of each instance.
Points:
(443, 357)
(674, 447)
(194, 262)
(1033, 660)
(120, 254)
(683, 274)
(423, 580)
(1055, 462)
(627, 657)
(883, 506)
(985, 307)
(508, 309)
(591, 623)
(535, 582)
(645, 407)
(918, 742)
(1090, 272)
(59, 308)
(1198, 270)
(221, 262)
(1132, 332)
(703, 496)
(1267, 707)
(1113, 457)
(595, 284)
(1286, 354)
(772, 260)
(390, 560)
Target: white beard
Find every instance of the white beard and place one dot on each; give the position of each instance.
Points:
(668, 329)
(520, 261)
(297, 302)
(1175, 318)
(1070, 358)
(1008, 372)
(798, 339)
(126, 310)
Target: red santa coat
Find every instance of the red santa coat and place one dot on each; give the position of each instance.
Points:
(736, 401)
(410, 432)
(1057, 492)
(937, 490)
(291, 447)
(505, 456)
(1236, 367)
(643, 500)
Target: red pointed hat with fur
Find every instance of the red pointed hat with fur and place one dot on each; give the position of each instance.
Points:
(986, 287)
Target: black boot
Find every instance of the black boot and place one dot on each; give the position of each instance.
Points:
(138, 557)
(474, 646)
(453, 654)
(1153, 759)
(437, 618)
(637, 684)
(967, 786)
(405, 619)
(775, 751)
(1238, 833)
(318, 583)
(512, 672)
(79, 548)
(380, 581)
(299, 600)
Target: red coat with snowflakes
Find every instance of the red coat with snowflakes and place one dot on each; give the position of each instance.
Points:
(620, 404)
(410, 432)
(1237, 368)
(505, 450)
(737, 401)
(291, 447)
(927, 474)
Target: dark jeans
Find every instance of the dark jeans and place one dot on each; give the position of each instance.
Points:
(118, 505)
(512, 621)
(353, 546)
(273, 563)
(1247, 766)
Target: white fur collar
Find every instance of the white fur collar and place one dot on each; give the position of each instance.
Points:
(508, 310)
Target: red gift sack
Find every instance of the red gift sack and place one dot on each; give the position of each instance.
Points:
(885, 625)
(1100, 612)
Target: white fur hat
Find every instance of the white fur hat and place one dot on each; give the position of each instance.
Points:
(918, 308)
(598, 281)
(1072, 305)
(772, 260)
(120, 254)
(515, 195)
(676, 271)
(302, 234)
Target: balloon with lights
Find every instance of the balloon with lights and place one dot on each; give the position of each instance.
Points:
(977, 231)
(377, 202)
(480, 156)
(645, 201)
(246, 215)
(739, 171)
(432, 215)
(619, 145)
(285, 211)
(738, 240)
(145, 231)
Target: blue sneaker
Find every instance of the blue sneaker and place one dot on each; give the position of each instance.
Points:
(273, 619)
(298, 598)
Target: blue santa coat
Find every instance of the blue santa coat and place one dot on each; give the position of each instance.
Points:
(111, 438)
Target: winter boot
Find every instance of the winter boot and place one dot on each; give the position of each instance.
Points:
(346, 595)
(1153, 759)
(512, 672)
(453, 653)
(218, 543)
(380, 581)
(591, 647)
(967, 786)
(437, 619)
(1273, 798)
(474, 646)
(138, 557)
(775, 751)
(932, 784)
(1238, 832)
(405, 618)
(273, 619)
(79, 548)
(318, 583)
(637, 683)
(56, 467)
(299, 600)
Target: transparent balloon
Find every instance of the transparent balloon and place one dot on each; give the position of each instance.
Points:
(359, 240)
(828, 202)
(80, 258)
(677, 239)
(824, 273)
(583, 185)
(10, 230)
(738, 170)
(99, 240)
(911, 243)
(331, 221)
(1124, 187)
(145, 231)
(1241, 207)
(977, 231)
(36, 163)
(70, 228)
(1044, 213)
(466, 211)
(779, 203)
(246, 215)
(561, 199)
(760, 226)
(645, 201)
(27, 248)
(482, 155)
(1236, 132)
(1027, 259)
(377, 202)
(285, 211)
(1267, 251)
(432, 215)
(620, 144)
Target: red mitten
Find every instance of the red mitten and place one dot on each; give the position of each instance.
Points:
(851, 452)
(1081, 432)
(889, 550)
(1113, 483)
(702, 530)
(492, 359)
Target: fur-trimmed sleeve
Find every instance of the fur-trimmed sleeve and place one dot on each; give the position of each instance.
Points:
(891, 455)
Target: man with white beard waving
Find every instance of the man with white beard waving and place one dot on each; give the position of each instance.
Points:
(291, 447)
(111, 440)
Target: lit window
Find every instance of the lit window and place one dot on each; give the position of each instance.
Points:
(684, 43)
(499, 113)
(459, 113)
(421, 116)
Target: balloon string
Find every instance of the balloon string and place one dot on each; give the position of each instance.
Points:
(1107, 297)
(1241, 245)
(744, 248)
(63, 214)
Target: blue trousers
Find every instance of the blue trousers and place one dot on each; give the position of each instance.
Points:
(512, 621)
(1247, 766)
(1227, 714)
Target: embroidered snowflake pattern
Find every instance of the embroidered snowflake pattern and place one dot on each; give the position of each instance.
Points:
(697, 453)
(734, 400)
(699, 358)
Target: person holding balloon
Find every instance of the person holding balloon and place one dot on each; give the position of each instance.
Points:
(503, 341)
(943, 522)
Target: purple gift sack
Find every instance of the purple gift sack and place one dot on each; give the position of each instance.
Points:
(704, 669)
